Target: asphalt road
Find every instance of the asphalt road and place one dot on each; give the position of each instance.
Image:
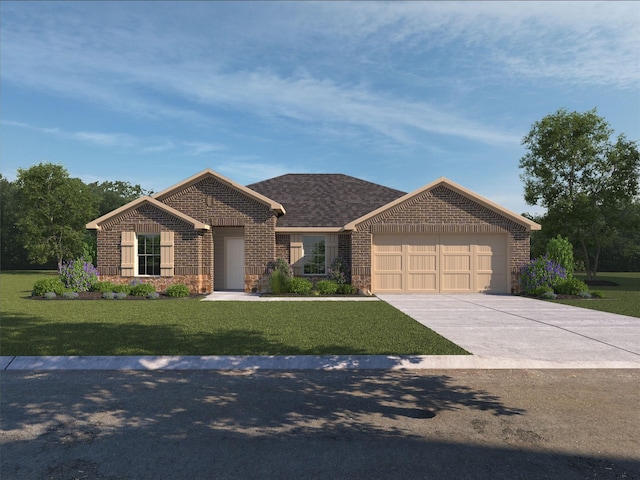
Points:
(453, 424)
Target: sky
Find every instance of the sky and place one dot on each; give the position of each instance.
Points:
(395, 93)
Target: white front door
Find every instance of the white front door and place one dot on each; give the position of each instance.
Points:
(234, 263)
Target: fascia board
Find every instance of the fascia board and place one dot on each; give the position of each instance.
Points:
(531, 225)
(197, 225)
(273, 205)
(309, 229)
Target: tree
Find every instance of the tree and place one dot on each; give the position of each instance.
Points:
(55, 210)
(12, 253)
(585, 181)
(115, 194)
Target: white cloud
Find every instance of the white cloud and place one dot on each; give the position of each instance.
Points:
(265, 60)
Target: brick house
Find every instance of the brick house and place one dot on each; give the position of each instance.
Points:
(211, 233)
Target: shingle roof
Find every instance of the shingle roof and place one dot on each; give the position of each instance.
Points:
(324, 200)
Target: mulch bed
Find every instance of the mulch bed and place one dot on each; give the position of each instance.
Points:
(98, 296)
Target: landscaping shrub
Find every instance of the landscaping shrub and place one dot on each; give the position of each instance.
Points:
(301, 286)
(339, 271)
(178, 290)
(153, 296)
(278, 282)
(279, 275)
(120, 295)
(560, 250)
(78, 275)
(570, 286)
(347, 289)
(326, 287)
(50, 295)
(70, 295)
(541, 272)
(46, 285)
(585, 294)
(121, 288)
(109, 295)
(541, 291)
(102, 287)
(549, 296)
(141, 289)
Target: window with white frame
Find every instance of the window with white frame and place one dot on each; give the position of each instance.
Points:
(314, 254)
(148, 254)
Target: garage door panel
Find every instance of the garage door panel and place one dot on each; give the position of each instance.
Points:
(422, 282)
(389, 263)
(456, 263)
(456, 282)
(389, 282)
(440, 263)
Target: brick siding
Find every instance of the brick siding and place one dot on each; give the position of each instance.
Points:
(440, 210)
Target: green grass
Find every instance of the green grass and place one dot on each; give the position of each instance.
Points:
(192, 327)
(623, 299)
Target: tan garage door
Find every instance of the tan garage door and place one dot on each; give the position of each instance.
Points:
(445, 263)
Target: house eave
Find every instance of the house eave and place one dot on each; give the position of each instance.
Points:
(525, 222)
(96, 224)
(273, 205)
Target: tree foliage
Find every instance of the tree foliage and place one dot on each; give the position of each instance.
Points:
(43, 214)
(584, 180)
(55, 209)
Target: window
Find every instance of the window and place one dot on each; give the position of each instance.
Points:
(149, 254)
(313, 251)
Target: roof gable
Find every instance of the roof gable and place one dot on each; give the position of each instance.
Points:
(442, 181)
(96, 224)
(324, 200)
(275, 206)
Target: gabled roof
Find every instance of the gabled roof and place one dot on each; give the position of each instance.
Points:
(442, 181)
(95, 224)
(324, 200)
(275, 206)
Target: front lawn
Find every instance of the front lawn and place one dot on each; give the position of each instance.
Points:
(623, 299)
(192, 327)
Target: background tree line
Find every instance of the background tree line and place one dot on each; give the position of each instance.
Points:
(587, 181)
(43, 214)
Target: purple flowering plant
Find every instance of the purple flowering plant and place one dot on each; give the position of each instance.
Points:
(78, 275)
(541, 272)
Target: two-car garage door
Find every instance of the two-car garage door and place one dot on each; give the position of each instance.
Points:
(439, 263)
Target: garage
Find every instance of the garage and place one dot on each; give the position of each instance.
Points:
(440, 263)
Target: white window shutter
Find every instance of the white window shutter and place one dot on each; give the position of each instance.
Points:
(166, 254)
(128, 254)
(296, 253)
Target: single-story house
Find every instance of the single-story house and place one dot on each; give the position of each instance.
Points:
(211, 233)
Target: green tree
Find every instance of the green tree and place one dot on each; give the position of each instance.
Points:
(584, 180)
(113, 195)
(55, 210)
(12, 253)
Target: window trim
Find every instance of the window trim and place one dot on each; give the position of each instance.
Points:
(305, 242)
(157, 254)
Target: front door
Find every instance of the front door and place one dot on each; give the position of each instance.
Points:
(234, 263)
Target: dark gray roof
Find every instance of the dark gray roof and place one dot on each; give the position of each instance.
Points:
(324, 200)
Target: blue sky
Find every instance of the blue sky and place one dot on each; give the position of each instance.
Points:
(395, 93)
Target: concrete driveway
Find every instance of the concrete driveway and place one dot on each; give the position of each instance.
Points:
(517, 328)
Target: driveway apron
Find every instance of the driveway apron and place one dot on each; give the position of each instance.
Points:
(513, 327)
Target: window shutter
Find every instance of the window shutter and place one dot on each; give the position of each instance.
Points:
(128, 254)
(296, 253)
(166, 254)
(331, 252)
